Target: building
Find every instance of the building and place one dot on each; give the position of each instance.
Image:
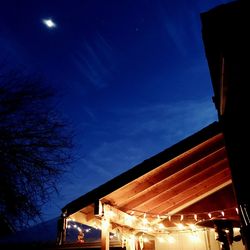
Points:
(189, 183)
(224, 35)
(200, 181)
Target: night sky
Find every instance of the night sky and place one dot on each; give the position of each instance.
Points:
(131, 74)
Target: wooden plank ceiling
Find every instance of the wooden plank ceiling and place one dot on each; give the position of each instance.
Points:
(178, 183)
(182, 182)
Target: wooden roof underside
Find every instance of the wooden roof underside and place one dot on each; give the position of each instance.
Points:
(180, 178)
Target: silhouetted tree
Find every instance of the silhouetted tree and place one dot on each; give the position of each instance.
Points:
(35, 147)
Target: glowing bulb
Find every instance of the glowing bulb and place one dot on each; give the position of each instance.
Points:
(171, 239)
(180, 226)
(161, 239)
(192, 227)
(105, 223)
(129, 219)
(144, 221)
(194, 238)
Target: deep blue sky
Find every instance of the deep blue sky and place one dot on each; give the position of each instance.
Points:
(132, 74)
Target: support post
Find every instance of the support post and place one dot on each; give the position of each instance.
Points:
(61, 229)
(105, 235)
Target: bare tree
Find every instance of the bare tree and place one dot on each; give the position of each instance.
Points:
(35, 147)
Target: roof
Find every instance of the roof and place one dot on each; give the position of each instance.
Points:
(185, 176)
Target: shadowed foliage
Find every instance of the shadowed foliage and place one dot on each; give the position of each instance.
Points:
(35, 147)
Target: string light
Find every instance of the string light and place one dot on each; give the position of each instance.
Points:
(201, 215)
(180, 226)
(164, 236)
(151, 223)
(182, 216)
(72, 225)
(195, 217)
(192, 227)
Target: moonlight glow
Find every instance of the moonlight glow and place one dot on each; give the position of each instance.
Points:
(49, 23)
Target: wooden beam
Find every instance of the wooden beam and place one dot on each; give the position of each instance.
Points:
(145, 196)
(129, 224)
(105, 234)
(191, 202)
(191, 193)
(88, 219)
(157, 176)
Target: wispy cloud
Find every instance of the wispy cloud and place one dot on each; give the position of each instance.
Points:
(181, 25)
(95, 61)
(165, 118)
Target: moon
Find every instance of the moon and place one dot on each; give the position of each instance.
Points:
(49, 23)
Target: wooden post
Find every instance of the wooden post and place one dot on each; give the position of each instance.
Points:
(61, 230)
(105, 235)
